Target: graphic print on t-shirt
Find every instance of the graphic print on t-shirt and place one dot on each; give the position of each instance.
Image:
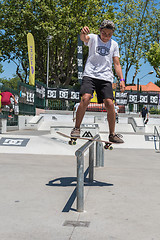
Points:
(102, 50)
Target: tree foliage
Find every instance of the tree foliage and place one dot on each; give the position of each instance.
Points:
(135, 20)
(153, 56)
(10, 83)
(59, 18)
(1, 68)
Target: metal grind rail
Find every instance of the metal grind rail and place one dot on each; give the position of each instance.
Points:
(156, 139)
(80, 167)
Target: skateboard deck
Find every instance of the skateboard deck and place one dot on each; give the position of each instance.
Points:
(108, 145)
(146, 121)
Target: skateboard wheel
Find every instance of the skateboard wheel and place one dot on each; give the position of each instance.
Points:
(72, 142)
(110, 148)
(107, 146)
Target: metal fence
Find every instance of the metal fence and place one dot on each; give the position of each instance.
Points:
(27, 104)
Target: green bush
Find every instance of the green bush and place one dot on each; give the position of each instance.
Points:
(154, 111)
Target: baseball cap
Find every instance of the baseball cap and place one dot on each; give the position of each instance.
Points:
(107, 24)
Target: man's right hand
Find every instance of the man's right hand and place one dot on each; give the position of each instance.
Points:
(84, 34)
(85, 30)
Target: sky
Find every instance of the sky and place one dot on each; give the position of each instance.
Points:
(10, 70)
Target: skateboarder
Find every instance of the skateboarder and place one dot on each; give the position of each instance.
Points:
(98, 75)
(5, 100)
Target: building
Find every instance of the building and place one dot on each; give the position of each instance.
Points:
(150, 87)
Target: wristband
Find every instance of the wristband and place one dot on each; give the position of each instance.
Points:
(122, 80)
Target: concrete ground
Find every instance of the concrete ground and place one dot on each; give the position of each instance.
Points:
(38, 190)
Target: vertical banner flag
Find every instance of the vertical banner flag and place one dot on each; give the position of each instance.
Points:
(31, 56)
(80, 59)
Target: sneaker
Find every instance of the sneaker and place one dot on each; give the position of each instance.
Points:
(116, 138)
(75, 132)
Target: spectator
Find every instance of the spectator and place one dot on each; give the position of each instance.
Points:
(75, 110)
(144, 113)
(6, 101)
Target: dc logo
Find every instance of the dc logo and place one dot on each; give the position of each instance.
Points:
(17, 142)
(87, 134)
(13, 142)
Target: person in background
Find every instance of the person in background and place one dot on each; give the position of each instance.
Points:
(116, 111)
(6, 101)
(145, 114)
(75, 108)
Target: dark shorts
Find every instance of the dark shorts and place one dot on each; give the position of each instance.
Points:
(103, 88)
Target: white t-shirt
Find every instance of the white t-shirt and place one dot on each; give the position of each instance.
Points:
(99, 61)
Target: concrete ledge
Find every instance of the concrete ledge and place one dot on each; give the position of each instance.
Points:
(137, 128)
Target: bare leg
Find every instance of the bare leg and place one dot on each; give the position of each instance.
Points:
(82, 109)
(111, 116)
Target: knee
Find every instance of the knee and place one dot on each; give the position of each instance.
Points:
(86, 99)
(109, 104)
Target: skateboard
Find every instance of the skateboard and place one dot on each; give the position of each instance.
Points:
(146, 121)
(72, 141)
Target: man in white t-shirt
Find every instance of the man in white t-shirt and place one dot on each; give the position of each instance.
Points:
(98, 75)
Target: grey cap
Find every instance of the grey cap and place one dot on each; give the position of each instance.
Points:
(107, 24)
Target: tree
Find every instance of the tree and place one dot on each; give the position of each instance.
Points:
(60, 18)
(133, 20)
(63, 20)
(157, 83)
(10, 83)
(1, 68)
(153, 56)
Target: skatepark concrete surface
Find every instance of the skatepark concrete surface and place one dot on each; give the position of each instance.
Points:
(38, 188)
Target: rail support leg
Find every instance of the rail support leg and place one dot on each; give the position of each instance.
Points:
(80, 183)
(91, 162)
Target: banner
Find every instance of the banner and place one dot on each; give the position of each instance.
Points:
(26, 95)
(121, 98)
(80, 59)
(31, 56)
(40, 91)
(134, 98)
(62, 94)
(153, 99)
